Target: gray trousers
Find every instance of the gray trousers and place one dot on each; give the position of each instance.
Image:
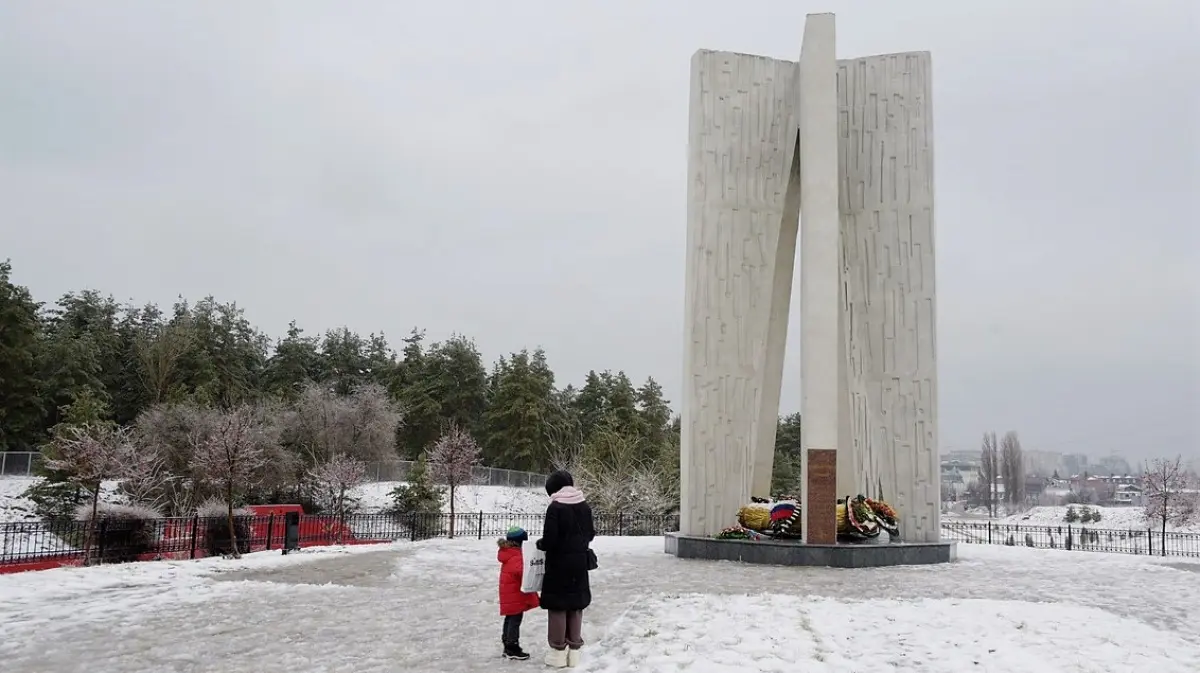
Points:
(565, 629)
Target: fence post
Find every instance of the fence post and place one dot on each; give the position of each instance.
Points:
(412, 527)
(481, 524)
(989, 532)
(1069, 536)
(100, 535)
(270, 529)
(620, 523)
(1150, 542)
(195, 525)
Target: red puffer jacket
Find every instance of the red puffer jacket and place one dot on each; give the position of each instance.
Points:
(512, 566)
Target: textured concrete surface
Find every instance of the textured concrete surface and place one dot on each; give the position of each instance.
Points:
(741, 152)
(819, 247)
(846, 147)
(886, 167)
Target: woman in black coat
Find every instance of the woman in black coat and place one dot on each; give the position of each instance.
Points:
(565, 591)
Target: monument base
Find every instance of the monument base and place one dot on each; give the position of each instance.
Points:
(788, 553)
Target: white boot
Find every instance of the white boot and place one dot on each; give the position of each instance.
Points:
(557, 658)
(572, 658)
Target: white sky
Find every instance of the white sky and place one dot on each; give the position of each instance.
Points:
(516, 172)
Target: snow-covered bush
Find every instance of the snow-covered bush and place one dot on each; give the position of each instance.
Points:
(333, 482)
(214, 525)
(121, 533)
(617, 480)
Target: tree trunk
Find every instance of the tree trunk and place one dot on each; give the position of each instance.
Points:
(91, 534)
(341, 514)
(451, 511)
(233, 541)
(1163, 542)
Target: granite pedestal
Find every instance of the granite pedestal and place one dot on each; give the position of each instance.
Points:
(788, 553)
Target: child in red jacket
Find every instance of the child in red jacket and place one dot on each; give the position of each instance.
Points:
(513, 602)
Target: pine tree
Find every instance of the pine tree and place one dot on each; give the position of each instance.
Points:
(654, 412)
(456, 377)
(418, 502)
(296, 361)
(410, 386)
(20, 407)
(522, 413)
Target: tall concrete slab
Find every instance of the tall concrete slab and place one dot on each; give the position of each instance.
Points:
(885, 146)
(763, 437)
(819, 243)
(846, 148)
(741, 151)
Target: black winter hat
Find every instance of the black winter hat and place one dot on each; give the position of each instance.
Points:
(557, 480)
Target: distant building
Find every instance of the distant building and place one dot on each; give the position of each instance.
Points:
(1111, 465)
(1128, 495)
(1043, 463)
(1074, 463)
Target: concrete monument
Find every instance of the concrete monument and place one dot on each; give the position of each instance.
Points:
(837, 154)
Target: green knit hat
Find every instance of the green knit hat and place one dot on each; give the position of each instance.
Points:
(516, 534)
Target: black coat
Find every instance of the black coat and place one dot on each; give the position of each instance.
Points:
(569, 530)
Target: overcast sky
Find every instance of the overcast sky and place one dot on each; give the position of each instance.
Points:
(516, 172)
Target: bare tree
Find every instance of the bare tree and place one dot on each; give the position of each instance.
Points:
(361, 425)
(335, 477)
(989, 471)
(173, 431)
(617, 477)
(1012, 468)
(452, 461)
(91, 454)
(234, 456)
(143, 470)
(1169, 500)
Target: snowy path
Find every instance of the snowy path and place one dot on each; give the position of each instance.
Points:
(432, 607)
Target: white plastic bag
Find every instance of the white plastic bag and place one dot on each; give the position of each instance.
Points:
(535, 569)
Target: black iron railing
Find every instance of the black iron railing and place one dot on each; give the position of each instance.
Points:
(1075, 537)
(120, 540)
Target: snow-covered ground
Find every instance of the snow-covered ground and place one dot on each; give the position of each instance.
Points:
(1111, 518)
(431, 606)
(14, 507)
(373, 498)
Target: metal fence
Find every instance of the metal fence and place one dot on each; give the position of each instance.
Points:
(19, 463)
(122, 540)
(1074, 538)
(25, 463)
(397, 470)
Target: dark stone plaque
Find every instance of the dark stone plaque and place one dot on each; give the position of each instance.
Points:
(820, 505)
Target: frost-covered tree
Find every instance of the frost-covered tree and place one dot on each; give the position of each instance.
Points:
(88, 455)
(360, 425)
(335, 477)
(235, 455)
(452, 461)
(1169, 496)
(617, 478)
(174, 431)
